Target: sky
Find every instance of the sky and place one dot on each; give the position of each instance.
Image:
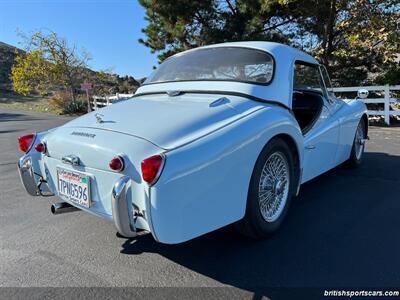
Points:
(108, 29)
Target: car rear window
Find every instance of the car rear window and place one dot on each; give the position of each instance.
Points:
(220, 63)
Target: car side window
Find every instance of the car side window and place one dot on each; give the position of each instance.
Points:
(308, 77)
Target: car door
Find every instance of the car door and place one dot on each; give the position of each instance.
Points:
(320, 141)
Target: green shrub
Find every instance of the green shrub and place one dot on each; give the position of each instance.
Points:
(62, 100)
(77, 107)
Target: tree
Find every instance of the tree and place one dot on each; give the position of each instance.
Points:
(358, 36)
(29, 72)
(49, 63)
(184, 24)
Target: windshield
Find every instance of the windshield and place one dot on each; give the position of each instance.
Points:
(221, 63)
(327, 80)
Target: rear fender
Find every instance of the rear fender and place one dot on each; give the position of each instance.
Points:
(349, 116)
(204, 184)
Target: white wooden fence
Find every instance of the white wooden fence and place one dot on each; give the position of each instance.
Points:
(100, 101)
(385, 91)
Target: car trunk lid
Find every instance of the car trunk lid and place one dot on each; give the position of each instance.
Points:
(167, 121)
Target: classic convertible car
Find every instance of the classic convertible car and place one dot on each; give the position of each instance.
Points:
(216, 135)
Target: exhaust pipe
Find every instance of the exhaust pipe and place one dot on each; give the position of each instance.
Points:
(62, 207)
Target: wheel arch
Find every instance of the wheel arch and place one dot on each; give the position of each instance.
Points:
(295, 150)
(247, 225)
(296, 157)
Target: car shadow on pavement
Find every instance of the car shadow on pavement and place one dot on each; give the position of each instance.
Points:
(9, 131)
(341, 231)
(8, 117)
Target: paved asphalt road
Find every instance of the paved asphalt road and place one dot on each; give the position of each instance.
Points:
(342, 231)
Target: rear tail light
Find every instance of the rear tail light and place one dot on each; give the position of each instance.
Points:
(117, 164)
(25, 142)
(40, 147)
(152, 167)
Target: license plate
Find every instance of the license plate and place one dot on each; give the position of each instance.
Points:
(75, 186)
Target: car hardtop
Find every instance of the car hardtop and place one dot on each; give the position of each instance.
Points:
(279, 90)
(277, 50)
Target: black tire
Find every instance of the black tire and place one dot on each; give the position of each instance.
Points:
(120, 236)
(355, 160)
(253, 224)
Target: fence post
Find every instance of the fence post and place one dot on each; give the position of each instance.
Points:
(107, 100)
(387, 105)
(95, 102)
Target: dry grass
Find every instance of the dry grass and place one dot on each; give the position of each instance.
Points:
(30, 103)
(60, 98)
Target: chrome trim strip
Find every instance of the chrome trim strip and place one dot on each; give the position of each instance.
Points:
(33, 143)
(121, 207)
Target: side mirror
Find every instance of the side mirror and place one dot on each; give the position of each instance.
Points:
(362, 93)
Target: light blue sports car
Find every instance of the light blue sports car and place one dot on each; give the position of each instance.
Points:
(216, 135)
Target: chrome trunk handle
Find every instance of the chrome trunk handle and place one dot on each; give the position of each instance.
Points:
(71, 160)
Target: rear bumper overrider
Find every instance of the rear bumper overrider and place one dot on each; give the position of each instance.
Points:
(27, 175)
(122, 208)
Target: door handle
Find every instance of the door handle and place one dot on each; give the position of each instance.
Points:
(310, 147)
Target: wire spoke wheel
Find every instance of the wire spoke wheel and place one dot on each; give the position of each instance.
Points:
(273, 187)
(359, 141)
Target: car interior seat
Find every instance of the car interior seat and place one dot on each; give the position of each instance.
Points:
(306, 106)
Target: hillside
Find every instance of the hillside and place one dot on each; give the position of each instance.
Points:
(112, 84)
(7, 56)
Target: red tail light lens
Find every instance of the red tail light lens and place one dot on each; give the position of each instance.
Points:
(25, 142)
(151, 168)
(117, 164)
(40, 147)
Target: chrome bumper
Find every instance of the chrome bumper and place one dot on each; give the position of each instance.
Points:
(122, 208)
(27, 175)
(121, 205)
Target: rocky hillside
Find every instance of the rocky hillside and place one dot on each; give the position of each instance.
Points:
(110, 84)
(7, 55)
